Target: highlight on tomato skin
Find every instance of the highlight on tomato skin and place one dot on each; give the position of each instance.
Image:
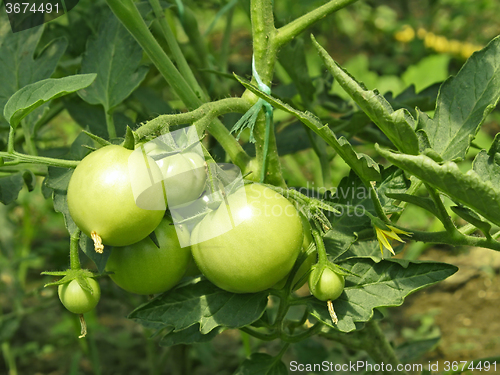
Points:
(259, 250)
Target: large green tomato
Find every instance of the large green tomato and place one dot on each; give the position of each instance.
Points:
(78, 300)
(101, 199)
(307, 263)
(143, 268)
(261, 247)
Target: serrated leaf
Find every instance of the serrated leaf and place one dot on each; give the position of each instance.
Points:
(487, 167)
(398, 125)
(360, 163)
(385, 283)
(191, 335)
(18, 67)
(262, 364)
(115, 56)
(469, 188)
(201, 303)
(34, 95)
(463, 103)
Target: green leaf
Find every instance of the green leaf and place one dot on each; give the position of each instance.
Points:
(393, 181)
(191, 335)
(34, 95)
(18, 67)
(60, 200)
(385, 283)
(293, 138)
(425, 203)
(262, 364)
(487, 167)
(100, 259)
(397, 126)
(93, 118)
(470, 216)
(368, 249)
(414, 350)
(362, 164)
(115, 56)
(293, 58)
(463, 103)
(10, 186)
(469, 188)
(201, 302)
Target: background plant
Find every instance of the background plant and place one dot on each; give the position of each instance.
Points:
(180, 73)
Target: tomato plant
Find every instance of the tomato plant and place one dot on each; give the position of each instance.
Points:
(259, 250)
(303, 138)
(145, 268)
(77, 299)
(101, 200)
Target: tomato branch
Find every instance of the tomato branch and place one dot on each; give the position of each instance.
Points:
(18, 158)
(286, 33)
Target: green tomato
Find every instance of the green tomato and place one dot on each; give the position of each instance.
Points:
(258, 250)
(185, 177)
(101, 199)
(184, 174)
(329, 286)
(143, 268)
(307, 263)
(78, 300)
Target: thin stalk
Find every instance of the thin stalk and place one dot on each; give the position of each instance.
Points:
(377, 205)
(23, 158)
(10, 144)
(29, 138)
(443, 213)
(110, 124)
(320, 245)
(286, 33)
(74, 258)
(177, 54)
(226, 42)
(260, 335)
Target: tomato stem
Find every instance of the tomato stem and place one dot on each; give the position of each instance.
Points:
(320, 246)
(74, 257)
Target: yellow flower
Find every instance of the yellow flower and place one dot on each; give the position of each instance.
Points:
(383, 235)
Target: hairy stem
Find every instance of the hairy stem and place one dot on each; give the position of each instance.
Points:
(23, 158)
(74, 258)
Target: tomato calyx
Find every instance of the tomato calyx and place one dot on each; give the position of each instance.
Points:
(69, 275)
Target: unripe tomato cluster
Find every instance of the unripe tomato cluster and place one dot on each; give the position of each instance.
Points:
(247, 244)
